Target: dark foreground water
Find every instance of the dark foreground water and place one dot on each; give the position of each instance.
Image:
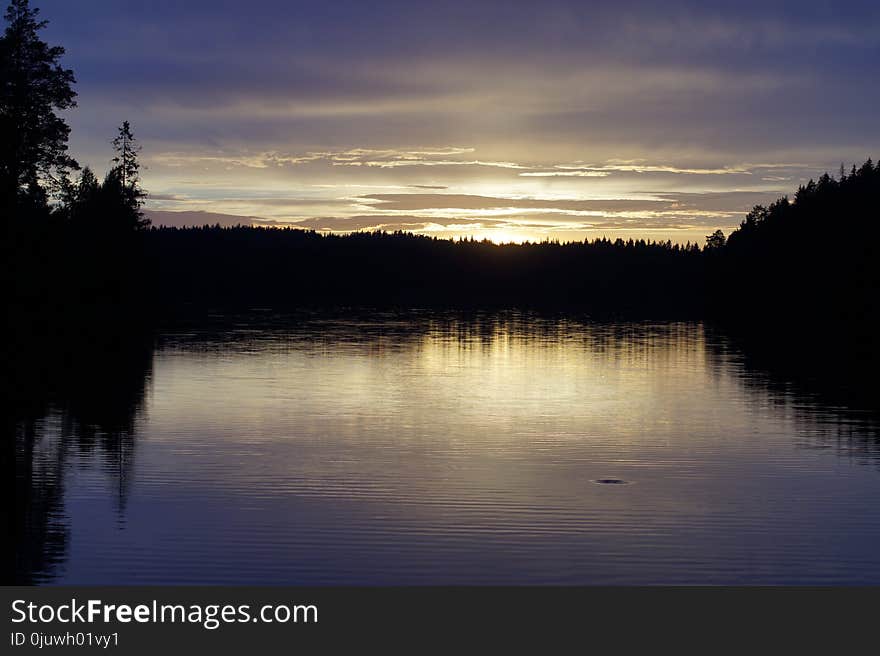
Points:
(432, 449)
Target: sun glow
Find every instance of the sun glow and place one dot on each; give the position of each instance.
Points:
(505, 236)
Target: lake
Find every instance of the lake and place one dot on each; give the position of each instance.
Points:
(432, 448)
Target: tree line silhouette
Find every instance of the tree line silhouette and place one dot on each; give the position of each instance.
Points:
(265, 267)
(816, 258)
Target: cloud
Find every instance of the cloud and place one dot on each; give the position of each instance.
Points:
(170, 197)
(720, 202)
(614, 166)
(634, 167)
(377, 158)
(371, 222)
(410, 202)
(565, 174)
(717, 202)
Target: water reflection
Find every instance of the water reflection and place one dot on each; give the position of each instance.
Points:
(436, 448)
(76, 399)
(825, 382)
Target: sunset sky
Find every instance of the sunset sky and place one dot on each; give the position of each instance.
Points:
(507, 120)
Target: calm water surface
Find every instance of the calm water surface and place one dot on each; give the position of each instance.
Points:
(438, 450)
